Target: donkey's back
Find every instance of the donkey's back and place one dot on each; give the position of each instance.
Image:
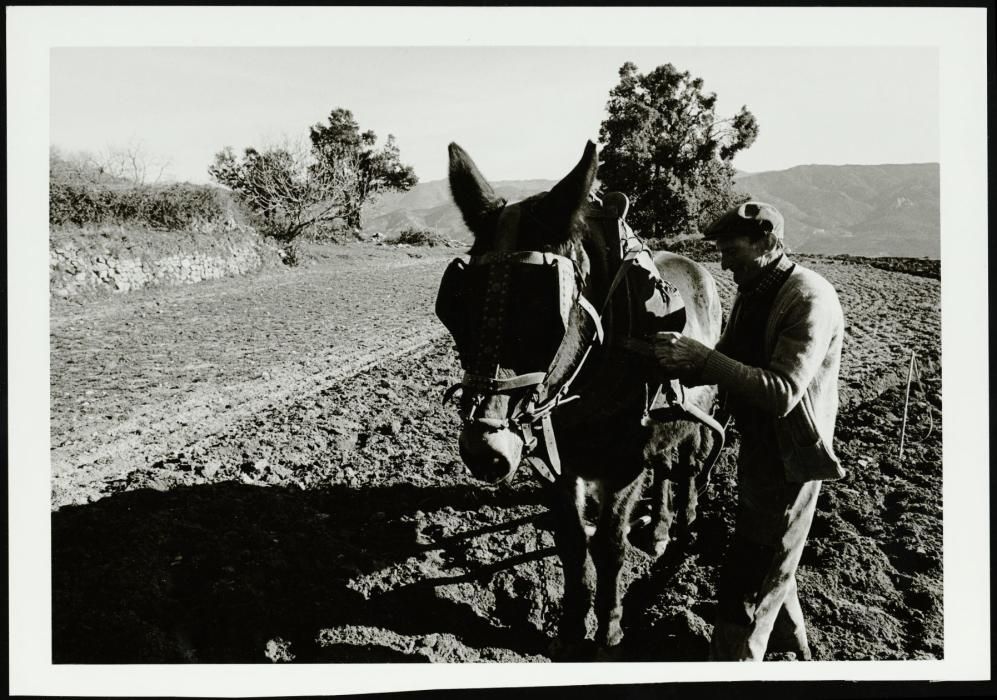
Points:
(698, 290)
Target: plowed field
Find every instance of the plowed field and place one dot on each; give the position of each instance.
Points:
(259, 469)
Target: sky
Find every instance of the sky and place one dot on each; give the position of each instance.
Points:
(521, 112)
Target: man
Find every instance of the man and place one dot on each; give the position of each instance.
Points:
(776, 366)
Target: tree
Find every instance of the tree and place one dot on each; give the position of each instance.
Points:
(293, 187)
(80, 167)
(343, 152)
(664, 146)
(282, 187)
(130, 164)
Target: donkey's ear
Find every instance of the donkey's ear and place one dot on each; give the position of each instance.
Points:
(567, 196)
(475, 198)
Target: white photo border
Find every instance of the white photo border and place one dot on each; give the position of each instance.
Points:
(959, 34)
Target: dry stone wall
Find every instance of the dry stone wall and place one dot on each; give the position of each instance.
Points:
(87, 263)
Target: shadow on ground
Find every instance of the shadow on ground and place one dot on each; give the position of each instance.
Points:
(236, 573)
(216, 573)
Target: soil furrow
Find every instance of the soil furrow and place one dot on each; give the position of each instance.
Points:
(140, 377)
(314, 508)
(168, 429)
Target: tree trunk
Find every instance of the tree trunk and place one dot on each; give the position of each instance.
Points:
(353, 218)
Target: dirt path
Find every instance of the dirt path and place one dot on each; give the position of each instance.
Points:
(313, 507)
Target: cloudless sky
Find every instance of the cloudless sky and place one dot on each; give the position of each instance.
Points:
(521, 112)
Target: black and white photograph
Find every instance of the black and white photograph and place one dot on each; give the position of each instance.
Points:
(538, 346)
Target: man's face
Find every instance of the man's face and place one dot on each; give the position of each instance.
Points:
(743, 256)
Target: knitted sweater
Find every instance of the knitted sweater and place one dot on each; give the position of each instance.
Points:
(798, 387)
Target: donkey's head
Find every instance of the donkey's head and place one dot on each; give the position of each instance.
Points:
(518, 311)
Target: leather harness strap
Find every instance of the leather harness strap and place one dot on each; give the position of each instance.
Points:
(496, 384)
(631, 247)
(551, 469)
(542, 412)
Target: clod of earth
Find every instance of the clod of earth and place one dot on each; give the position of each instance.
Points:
(217, 501)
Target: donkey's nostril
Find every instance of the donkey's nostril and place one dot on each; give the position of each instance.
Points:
(487, 466)
(497, 469)
(491, 453)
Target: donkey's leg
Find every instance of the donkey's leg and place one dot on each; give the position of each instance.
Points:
(690, 457)
(608, 554)
(662, 505)
(572, 547)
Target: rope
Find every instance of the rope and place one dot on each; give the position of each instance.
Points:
(912, 371)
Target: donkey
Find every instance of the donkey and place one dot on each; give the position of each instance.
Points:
(548, 331)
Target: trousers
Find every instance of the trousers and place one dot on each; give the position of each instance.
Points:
(757, 594)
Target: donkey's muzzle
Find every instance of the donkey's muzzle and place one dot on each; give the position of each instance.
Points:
(490, 450)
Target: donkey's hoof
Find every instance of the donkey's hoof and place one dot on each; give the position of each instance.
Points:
(610, 632)
(658, 547)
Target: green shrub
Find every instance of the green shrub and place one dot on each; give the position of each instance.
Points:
(174, 207)
(331, 231)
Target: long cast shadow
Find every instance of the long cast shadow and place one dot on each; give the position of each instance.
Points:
(213, 573)
(681, 635)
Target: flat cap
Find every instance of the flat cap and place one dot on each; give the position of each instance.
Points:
(748, 219)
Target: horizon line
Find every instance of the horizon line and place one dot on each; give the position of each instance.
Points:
(737, 172)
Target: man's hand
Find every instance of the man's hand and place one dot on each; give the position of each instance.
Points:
(678, 356)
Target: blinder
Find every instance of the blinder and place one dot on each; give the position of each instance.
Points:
(506, 309)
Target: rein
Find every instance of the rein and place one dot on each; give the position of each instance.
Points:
(542, 412)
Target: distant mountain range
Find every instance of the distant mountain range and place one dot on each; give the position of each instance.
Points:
(429, 205)
(870, 210)
(874, 210)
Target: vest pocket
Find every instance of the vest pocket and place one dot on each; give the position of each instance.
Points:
(805, 455)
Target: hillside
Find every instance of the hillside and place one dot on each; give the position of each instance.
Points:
(869, 210)
(428, 205)
(873, 210)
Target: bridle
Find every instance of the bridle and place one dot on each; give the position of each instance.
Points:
(537, 408)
